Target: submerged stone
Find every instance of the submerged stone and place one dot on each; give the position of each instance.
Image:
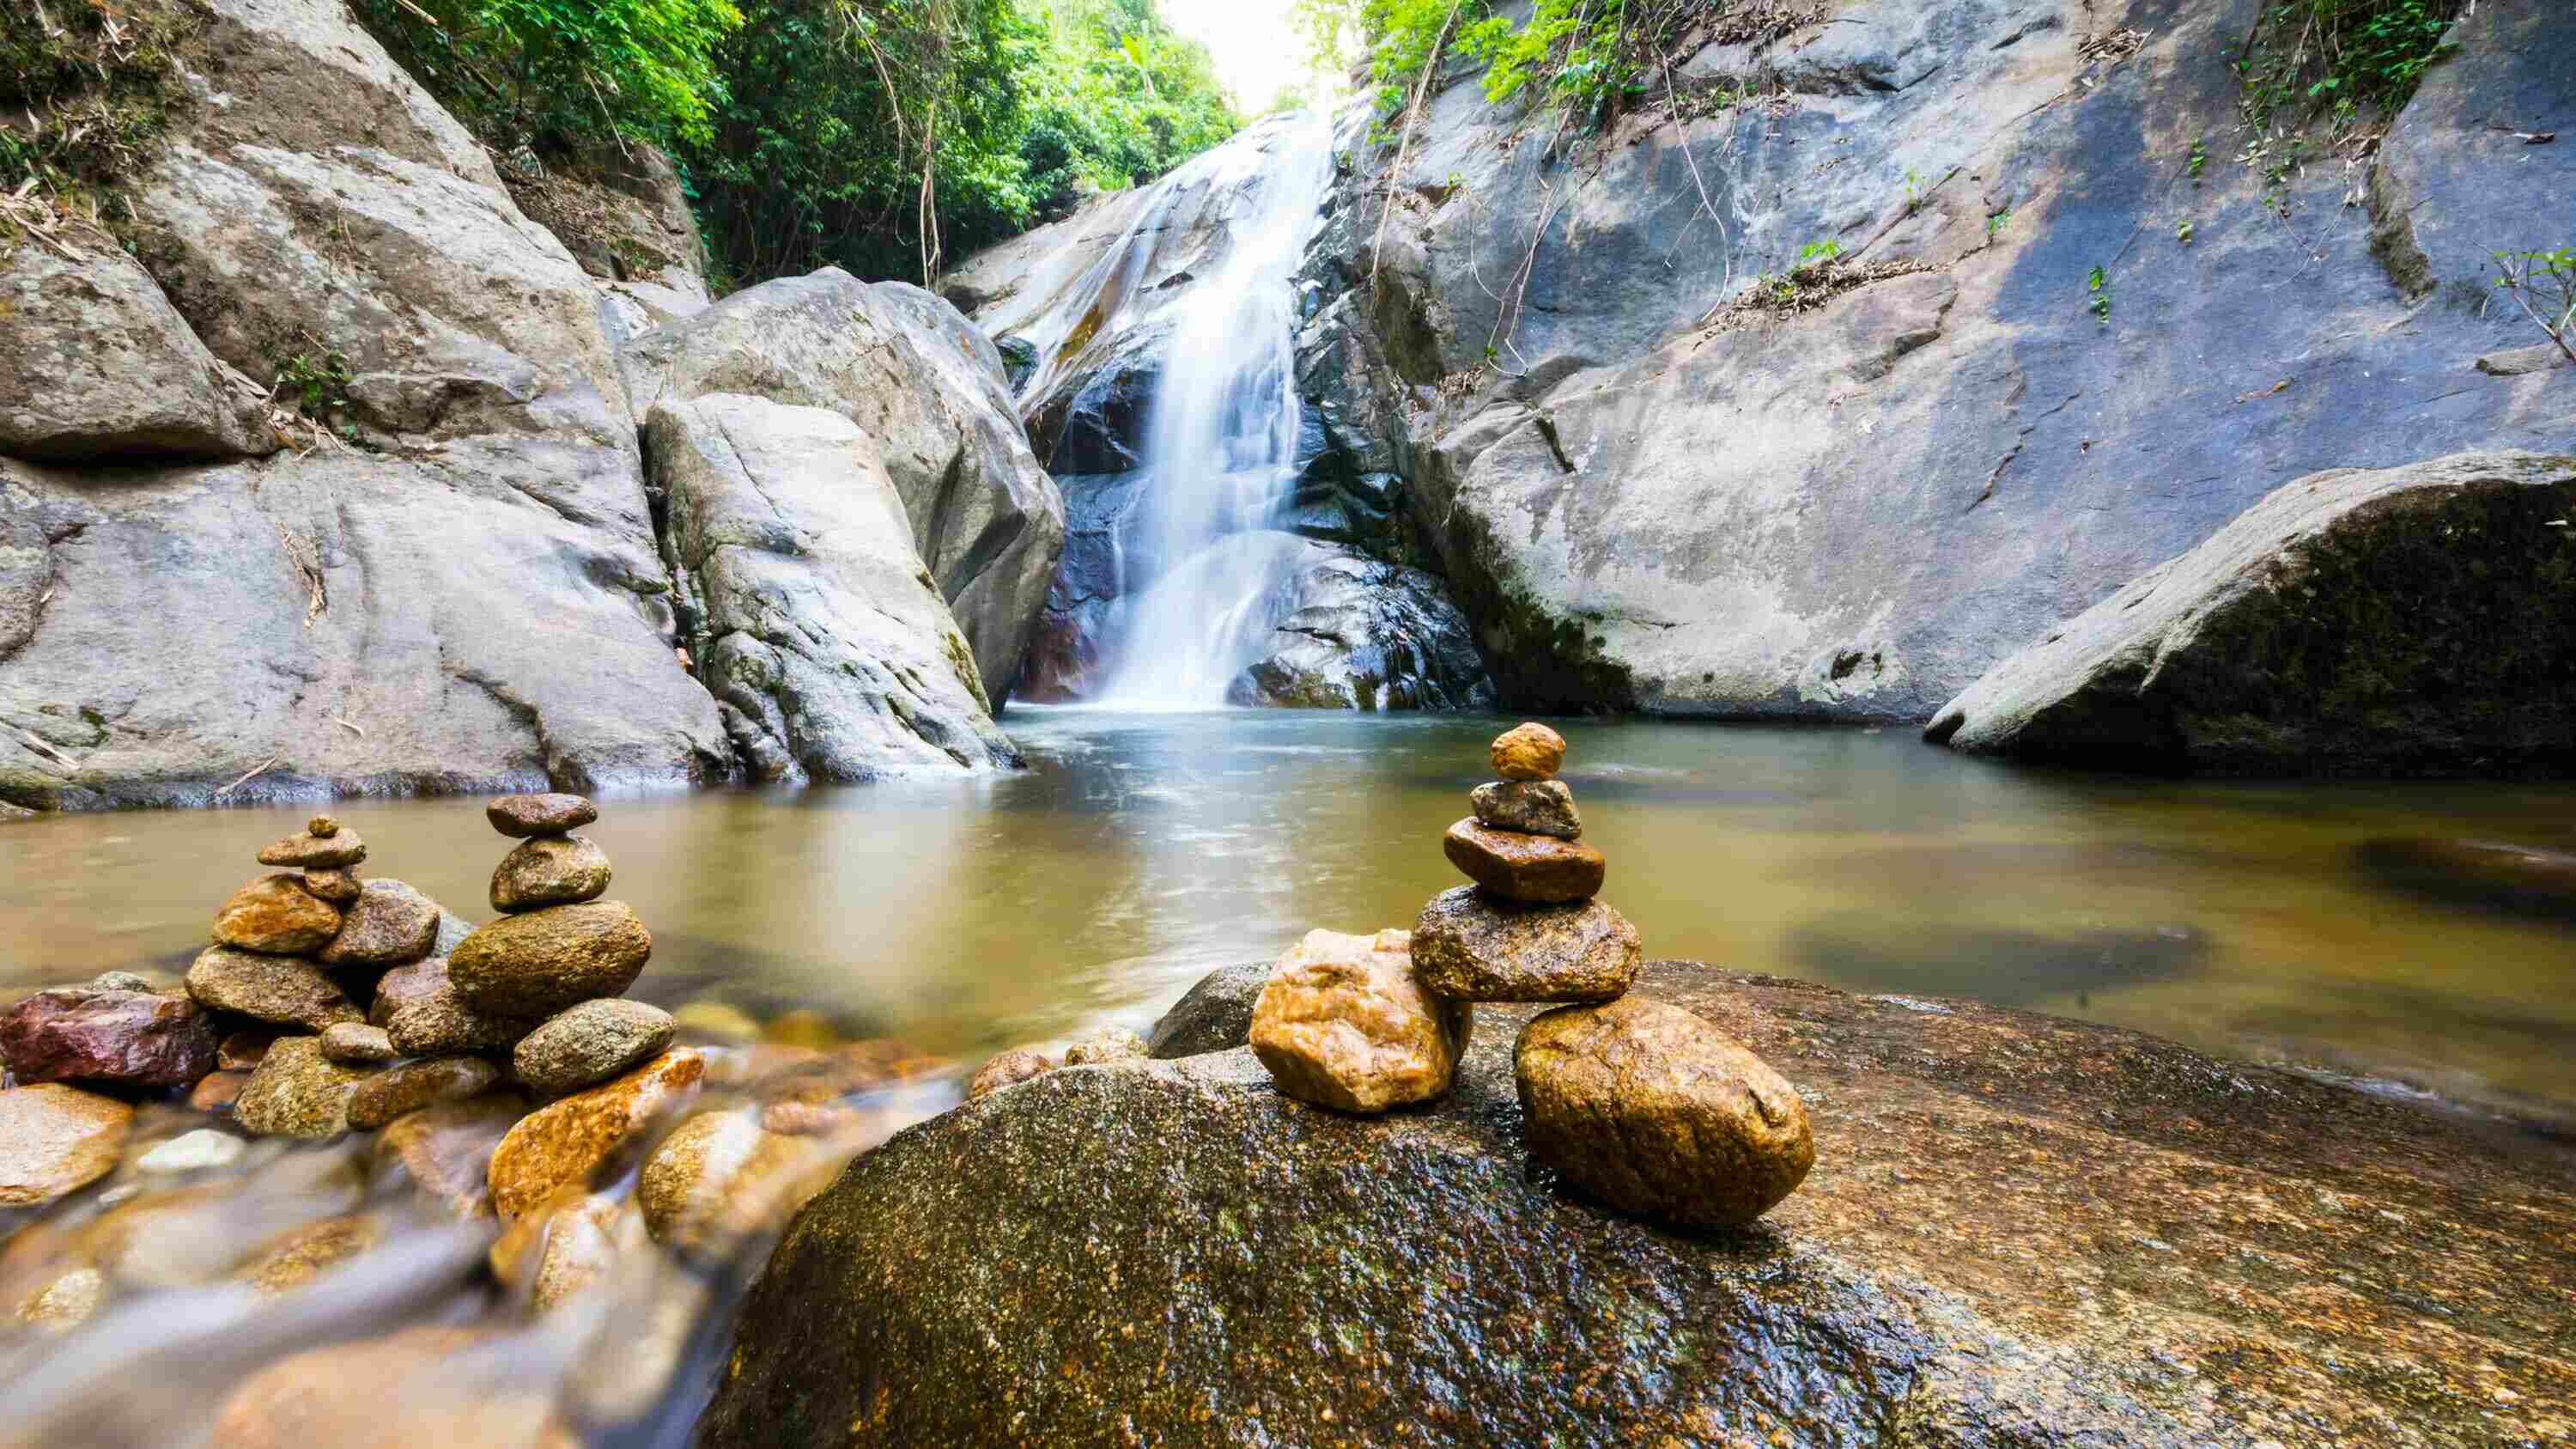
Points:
(1531, 807)
(1540, 869)
(1471, 947)
(1344, 1024)
(539, 963)
(447, 1149)
(1653, 1111)
(720, 1179)
(2522, 879)
(559, 1146)
(2024, 1231)
(55, 1139)
(409, 1087)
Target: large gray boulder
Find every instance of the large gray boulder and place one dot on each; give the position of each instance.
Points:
(471, 597)
(491, 615)
(95, 364)
(318, 203)
(1361, 634)
(1650, 501)
(2411, 620)
(2019, 1230)
(811, 617)
(987, 520)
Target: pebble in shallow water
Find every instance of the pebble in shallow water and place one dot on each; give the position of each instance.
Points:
(275, 989)
(54, 1139)
(409, 1086)
(1008, 1069)
(549, 870)
(541, 962)
(559, 1145)
(298, 1092)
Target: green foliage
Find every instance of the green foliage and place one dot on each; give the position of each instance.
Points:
(2199, 158)
(550, 74)
(2344, 59)
(2097, 288)
(1995, 223)
(2182, 232)
(1825, 250)
(1913, 192)
(1571, 47)
(2543, 284)
(1117, 98)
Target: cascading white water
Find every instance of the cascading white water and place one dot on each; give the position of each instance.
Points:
(1205, 581)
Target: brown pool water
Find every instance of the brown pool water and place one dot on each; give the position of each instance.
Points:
(1141, 850)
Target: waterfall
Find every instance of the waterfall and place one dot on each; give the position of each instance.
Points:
(1205, 579)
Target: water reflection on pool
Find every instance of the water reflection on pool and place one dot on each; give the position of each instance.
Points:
(1142, 850)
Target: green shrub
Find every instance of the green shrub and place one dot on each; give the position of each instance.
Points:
(2348, 60)
(560, 75)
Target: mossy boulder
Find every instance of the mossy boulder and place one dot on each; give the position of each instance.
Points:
(2412, 620)
(2019, 1230)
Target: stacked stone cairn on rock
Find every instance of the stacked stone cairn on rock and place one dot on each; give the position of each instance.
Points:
(499, 1069)
(1642, 1105)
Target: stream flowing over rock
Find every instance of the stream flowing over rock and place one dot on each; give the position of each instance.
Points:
(449, 576)
(2412, 620)
(2019, 1230)
(1538, 363)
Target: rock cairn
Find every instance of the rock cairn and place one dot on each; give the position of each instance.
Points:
(499, 1069)
(1645, 1106)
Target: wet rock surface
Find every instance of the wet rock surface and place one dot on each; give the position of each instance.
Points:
(2102, 1282)
(541, 962)
(1470, 946)
(2349, 622)
(139, 1038)
(275, 915)
(1343, 1024)
(591, 1042)
(559, 1146)
(298, 1092)
(1532, 869)
(276, 989)
(1214, 1015)
(549, 871)
(55, 1138)
(390, 925)
(1531, 807)
(1006, 1069)
(521, 816)
(1361, 633)
(408, 1087)
(1528, 752)
(1653, 1111)
(421, 1012)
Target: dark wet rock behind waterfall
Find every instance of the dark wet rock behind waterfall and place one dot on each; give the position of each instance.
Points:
(1362, 634)
(1174, 1251)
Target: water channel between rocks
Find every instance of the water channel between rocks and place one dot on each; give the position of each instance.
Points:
(1141, 850)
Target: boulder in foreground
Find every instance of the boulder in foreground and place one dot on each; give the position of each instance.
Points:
(2413, 620)
(2021, 1231)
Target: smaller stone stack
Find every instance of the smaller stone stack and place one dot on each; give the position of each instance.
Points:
(298, 953)
(547, 975)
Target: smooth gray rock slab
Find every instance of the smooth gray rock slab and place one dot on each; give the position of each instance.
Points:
(985, 518)
(816, 624)
(96, 364)
(2403, 620)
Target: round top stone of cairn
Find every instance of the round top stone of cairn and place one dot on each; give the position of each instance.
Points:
(321, 827)
(1528, 752)
(521, 816)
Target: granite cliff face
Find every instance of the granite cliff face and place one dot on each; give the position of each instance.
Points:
(322, 477)
(1531, 367)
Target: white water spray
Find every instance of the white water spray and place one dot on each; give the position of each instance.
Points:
(1208, 580)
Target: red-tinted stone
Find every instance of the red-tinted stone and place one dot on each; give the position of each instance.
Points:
(139, 1038)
